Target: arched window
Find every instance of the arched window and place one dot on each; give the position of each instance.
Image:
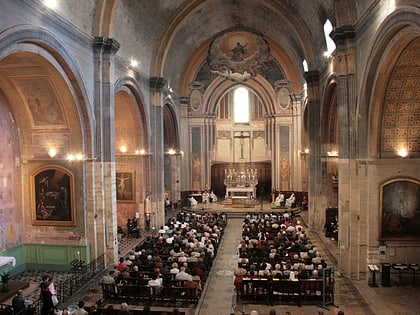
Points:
(241, 106)
(330, 43)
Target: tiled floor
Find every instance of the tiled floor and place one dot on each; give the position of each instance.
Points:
(218, 298)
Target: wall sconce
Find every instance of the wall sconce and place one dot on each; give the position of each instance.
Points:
(304, 153)
(76, 157)
(332, 153)
(402, 152)
(174, 152)
(52, 152)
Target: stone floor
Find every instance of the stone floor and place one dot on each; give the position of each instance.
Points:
(219, 298)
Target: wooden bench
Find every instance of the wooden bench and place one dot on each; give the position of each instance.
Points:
(255, 290)
(134, 311)
(284, 290)
(149, 295)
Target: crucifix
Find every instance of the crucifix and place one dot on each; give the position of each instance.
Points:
(242, 138)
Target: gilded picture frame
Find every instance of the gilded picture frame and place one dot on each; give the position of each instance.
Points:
(125, 186)
(53, 197)
(400, 209)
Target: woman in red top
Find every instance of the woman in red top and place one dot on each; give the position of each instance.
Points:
(121, 265)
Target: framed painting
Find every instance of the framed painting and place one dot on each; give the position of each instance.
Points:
(400, 205)
(53, 197)
(125, 186)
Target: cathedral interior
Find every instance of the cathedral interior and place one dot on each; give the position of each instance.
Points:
(110, 107)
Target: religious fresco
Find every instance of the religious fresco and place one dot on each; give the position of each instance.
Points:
(238, 55)
(42, 101)
(401, 209)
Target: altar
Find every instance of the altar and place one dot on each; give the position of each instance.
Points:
(238, 192)
(241, 184)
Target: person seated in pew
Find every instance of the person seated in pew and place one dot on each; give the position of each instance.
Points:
(109, 278)
(134, 273)
(155, 284)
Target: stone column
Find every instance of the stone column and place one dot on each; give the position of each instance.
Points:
(316, 194)
(185, 174)
(157, 190)
(351, 219)
(103, 221)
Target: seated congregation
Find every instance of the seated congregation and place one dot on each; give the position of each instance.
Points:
(169, 266)
(278, 262)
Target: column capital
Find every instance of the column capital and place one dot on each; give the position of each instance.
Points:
(311, 77)
(341, 34)
(184, 100)
(157, 83)
(107, 45)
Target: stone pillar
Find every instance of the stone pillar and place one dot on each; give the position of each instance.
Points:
(185, 174)
(102, 223)
(353, 256)
(317, 199)
(157, 190)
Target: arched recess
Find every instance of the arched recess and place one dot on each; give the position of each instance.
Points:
(173, 156)
(398, 30)
(41, 89)
(400, 121)
(131, 153)
(330, 145)
(266, 149)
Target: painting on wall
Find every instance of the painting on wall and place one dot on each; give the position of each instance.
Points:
(125, 186)
(52, 190)
(400, 204)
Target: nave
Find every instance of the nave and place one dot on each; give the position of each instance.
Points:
(219, 296)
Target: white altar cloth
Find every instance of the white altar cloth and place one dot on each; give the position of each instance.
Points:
(249, 192)
(4, 260)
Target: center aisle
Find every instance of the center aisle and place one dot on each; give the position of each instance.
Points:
(218, 295)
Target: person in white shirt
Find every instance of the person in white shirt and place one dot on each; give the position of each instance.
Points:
(155, 284)
(183, 275)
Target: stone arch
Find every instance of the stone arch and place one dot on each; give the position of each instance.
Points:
(135, 101)
(104, 18)
(394, 35)
(44, 90)
(170, 128)
(302, 34)
(40, 44)
(329, 118)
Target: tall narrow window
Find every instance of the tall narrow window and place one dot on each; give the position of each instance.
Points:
(241, 106)
(330, 43)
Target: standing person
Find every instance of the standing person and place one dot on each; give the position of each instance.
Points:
(51, 287)
(205, 199)
(46, 297)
